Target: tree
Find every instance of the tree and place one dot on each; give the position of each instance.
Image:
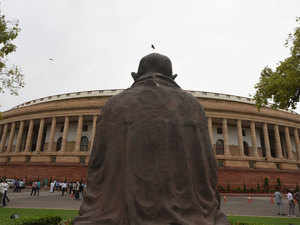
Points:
(281, 87)
(11, 77)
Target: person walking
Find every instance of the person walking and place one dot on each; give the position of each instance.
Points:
(291, 203)
(77, 190)
(278, 201)
(38, 187)
(4, 188)
(70, 188)
(297, 198)
(33, 188)
(52, 186)
(63, 188)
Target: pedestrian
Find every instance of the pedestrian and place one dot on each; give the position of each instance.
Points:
(291, 203)
(15, 182)
(63, 188)
(33, 188)
(70, 185)
(74, 189)
(4, 188)
(278, 201)
(297, 198)
(52, 186)
(77, 189)
(1, 191)
(38, 187)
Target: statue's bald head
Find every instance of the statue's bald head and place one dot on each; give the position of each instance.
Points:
(155, 63)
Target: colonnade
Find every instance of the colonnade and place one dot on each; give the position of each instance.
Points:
(265, 127)
(9, 133)
(6, 145)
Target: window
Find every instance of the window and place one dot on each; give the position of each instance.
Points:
(220, 147)
(85, 127)
(84, 143)
(278, 166)
(82, 159)
(252, 164)
(244, 132)
(220, 163)
(58, 144)
(219, 130)
(246, 148)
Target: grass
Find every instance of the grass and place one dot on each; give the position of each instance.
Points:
(5, 214)
(265, 220)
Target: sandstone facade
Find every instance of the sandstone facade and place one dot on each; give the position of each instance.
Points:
(53, 137)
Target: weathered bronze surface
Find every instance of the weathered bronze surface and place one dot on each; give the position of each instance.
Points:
(152, 162)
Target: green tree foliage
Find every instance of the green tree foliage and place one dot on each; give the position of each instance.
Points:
(281, 87)
(11, 77)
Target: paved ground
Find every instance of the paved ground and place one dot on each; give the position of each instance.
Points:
(260, 206)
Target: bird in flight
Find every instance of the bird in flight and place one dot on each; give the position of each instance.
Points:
(51, 59)
(152, 46)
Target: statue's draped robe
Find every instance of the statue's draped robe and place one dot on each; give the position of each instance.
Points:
(152, 162)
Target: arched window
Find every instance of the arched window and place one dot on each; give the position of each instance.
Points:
(58, 144)
(84, 143)
(246, 148)
(220, 147)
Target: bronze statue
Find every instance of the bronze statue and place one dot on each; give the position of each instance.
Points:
(152, 162)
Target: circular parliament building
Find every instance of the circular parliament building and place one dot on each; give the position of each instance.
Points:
(52, 137)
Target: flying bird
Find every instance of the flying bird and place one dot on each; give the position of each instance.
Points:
(51, 59)
(152, 46)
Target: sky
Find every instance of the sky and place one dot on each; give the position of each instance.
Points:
(215, 45)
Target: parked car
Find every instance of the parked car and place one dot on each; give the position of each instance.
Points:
(22, 184)
(11, 182)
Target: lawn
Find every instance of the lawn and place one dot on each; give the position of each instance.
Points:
(265, 220)
(5, 214)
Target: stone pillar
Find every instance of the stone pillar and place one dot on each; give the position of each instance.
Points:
(52, 133)
(19, 137)
(29, 136)
(93, 132)
(225, 135)
(278, 142)
(40, 135)
(65, 134)
(79, 134)
(253, 139)
(267, 142)
(210, 132)
(240, 137)
(296, 134)
(11, 137)
(288, 143)
(3, 138)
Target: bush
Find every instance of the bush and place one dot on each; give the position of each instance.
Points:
(221, 188)
(228, 188)
(266, 185)
(258, 188)
(67, 222)
(48, 220)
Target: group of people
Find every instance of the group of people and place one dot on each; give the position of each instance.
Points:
(35, 188)
(18, 185)
(3, 191)
(293, 199)
(74, 189)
